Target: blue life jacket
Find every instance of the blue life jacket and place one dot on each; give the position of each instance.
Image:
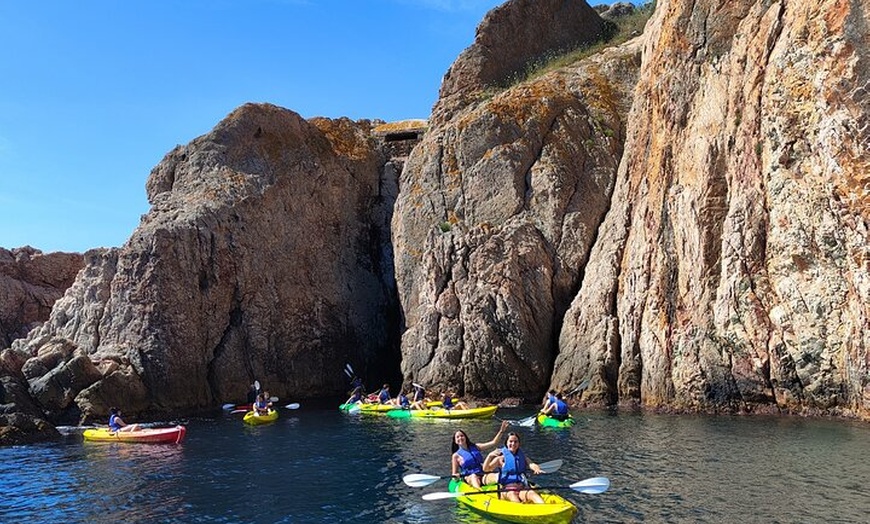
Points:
(514, 469)
(418, 395)
(113, 425)
(472, 461)
(448, 402)
(561, 407)
(403, 401)
(384, 396)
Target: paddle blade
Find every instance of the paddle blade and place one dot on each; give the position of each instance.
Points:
(399, 413)
(257, 385)
(347, 366)
(227, 407)
(592, 486)
(442, 495)
(419, 480)
(237, 411)
(551, 466)
(294, 405)
(527, 422)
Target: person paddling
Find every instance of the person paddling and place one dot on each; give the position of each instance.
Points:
(116, 423)
(512, 464)
(260, 406)
(467, 461)
(558, 409)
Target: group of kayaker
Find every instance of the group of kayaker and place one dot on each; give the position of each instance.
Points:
(417, 400)
(506, 466)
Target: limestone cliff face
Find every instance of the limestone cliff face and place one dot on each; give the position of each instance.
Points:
(732, 267)
(497, 211)
(260, 258)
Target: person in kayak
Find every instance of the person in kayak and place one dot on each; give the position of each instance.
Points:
(252, 394)
(549, 398)
(467, 460)
(448, 403)
(116, 423)
(558, 409)
(512, 464)
(418, 401)
(260, 406)
(384, 396)
(402, 400)
(356, 396)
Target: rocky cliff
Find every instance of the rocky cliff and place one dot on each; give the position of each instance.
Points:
(732, 268)
(679, 221)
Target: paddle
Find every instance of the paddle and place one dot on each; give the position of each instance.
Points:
(419, 480)
(294, 405)
(523, 422)
(227, 407)
(590, 486)
(580, 387)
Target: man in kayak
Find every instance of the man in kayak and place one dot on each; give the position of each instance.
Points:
(467, 461)
(116, 423)
(512, 465)
(558, 409)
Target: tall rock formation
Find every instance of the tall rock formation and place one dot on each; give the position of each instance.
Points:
(500, 203)
(260, 258)
(732, 267)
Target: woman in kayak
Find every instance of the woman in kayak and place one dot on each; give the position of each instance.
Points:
(116, 423)
(512, 464)
(467, 461)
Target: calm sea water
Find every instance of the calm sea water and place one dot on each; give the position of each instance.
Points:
(318, 465)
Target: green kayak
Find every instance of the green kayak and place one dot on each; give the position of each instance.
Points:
(547, 421)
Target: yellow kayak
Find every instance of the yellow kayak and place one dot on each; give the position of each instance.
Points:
(484, 412)
(555, 510)
(256, 420)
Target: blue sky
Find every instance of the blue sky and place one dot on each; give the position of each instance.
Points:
(93, 94)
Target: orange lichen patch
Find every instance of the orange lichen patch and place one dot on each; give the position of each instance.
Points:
(527, 100)
(599, 93)
(345, 137)
(401, 126)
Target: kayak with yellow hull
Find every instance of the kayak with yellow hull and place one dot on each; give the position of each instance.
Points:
(143, 436)
(555, 510)
(484, 412)
(256, 420)
(377, 409)
(546, 421)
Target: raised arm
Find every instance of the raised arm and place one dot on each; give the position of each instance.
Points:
(496, 438)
